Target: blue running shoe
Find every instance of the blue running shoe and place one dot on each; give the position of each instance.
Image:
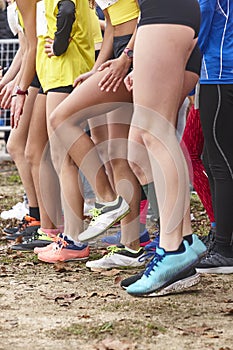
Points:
(197, 245)
(115, 239)
(167, 273)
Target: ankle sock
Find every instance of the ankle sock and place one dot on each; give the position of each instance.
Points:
(180, 249)
(188, 238)
(34, 212)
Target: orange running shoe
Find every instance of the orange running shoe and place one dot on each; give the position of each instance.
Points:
(65, 250)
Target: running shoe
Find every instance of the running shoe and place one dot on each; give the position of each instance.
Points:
(116, 239)
(65, 250)
(55, 240)
(25, 229)
(18, 211)
(26, 221)
(38, 239)
(104, 216)
(118, 257)
(166, 273)
(196, 245)
(215, 263)
(209, 239)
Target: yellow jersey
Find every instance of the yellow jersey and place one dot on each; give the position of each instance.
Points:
(59, 71)
(123, 11)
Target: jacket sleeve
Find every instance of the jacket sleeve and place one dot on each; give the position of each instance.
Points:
(65, 20)
(207, 8)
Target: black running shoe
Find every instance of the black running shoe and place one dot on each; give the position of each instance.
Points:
(209, 239)
(27, 233)
(129, 280)
(38, 240)
(215, 263)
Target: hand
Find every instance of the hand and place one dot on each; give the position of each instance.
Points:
(17, 104)
(128, 81)
(49, 47)
(5, 95)
(116, 70)
(81, 78)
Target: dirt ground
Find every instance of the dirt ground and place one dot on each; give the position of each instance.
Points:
(68, 307)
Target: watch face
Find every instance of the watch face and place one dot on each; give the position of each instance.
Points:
(130, 53)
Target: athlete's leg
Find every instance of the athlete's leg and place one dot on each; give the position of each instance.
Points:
(158, 119)
(16, 147)
(70, 183)
(48, 197)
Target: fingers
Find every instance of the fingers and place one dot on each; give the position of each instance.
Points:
(104, 65)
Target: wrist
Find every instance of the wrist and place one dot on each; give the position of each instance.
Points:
(18, 91)
(128, 53)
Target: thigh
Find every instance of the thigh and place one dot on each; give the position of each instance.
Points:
(87, 100)
(38, 136)
(19, 136)
(159, 73)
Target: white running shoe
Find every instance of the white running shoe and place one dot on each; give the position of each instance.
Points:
(118, 257)
(18, 211)
(104, 216)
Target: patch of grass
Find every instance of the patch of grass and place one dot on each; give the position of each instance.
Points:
(14, 178)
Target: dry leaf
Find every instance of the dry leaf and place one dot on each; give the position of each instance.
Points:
(61, 267)
(112, 272)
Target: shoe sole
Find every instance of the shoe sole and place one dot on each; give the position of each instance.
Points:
(176, 287)
(83, 237)
(72, 259)
(217, 270)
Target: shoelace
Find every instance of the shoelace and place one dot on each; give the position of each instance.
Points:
(59, 243)
(95, 212)
(112, 250)
(154, 262)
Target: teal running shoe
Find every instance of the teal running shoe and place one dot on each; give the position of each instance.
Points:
(167, 272)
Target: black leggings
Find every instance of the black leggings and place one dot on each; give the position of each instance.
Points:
(216, 111)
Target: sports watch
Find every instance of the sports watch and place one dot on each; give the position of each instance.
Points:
(129, 53)
(18, 91)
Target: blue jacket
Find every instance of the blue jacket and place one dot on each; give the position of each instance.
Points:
(216, 41)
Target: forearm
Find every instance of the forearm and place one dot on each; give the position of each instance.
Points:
(28, 68)
(106, 50)
(65, 20)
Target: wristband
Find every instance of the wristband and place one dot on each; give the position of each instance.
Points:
(18, 91)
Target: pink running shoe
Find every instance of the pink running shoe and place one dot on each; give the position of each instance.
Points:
(65, 250)
(54, 234)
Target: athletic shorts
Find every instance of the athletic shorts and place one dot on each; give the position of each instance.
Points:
(64, 89)
(119, 44)
(184, 12)
(35, 82)
(194, 62)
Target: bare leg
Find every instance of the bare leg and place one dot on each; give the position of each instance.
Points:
(72, 196)
(84, 102)
(162, 94)
(125, 181)
(48, 198)
(16, 147)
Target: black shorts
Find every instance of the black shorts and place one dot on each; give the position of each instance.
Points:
(63, 89)
(35, 82)
(119, 44)
(194, 62)
(184, 12)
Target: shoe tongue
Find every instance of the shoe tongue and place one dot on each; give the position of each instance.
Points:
(160, 251)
